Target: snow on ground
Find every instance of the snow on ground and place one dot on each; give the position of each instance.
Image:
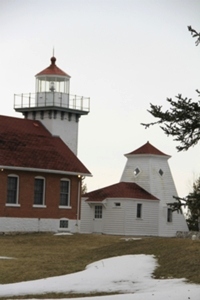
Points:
(63, 233)
(129, 275)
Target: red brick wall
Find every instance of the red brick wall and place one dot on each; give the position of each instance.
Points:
(26, 196)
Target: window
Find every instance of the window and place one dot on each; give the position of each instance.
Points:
(39, 191)
(117, 204)
(136, 171)
(12, 189)
(139, 210)
(64, 192)
(169, 215)
(64, 223)
(161, 172)
(98, 212)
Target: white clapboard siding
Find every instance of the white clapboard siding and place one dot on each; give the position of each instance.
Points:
(160, 186)
(147, 224)
(123, 220)
(113, 217)
(86, 217)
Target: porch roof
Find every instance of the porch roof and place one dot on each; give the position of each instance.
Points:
(119, 190)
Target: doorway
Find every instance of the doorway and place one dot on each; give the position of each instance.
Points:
(98, 219)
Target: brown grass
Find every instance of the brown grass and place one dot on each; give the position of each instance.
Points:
(45, 255)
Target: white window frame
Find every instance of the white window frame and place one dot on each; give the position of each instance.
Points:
(43, 193)
(69, 190)
(98, 214)
(64, 220)
(17, 191)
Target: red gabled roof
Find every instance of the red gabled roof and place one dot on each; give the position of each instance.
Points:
(119, 190)
(52, 69)
(147, 149)
(28, 144)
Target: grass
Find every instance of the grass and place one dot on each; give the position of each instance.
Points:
(45, 255)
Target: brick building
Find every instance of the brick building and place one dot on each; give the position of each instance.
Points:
(40, 173)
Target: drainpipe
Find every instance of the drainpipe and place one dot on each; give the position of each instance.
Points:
(78, 202)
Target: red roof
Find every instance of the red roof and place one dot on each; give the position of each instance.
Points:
(147, 149)
(28, 144)
(119, 190)
(53, 69)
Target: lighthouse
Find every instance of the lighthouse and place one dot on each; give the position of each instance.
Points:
(53, 105)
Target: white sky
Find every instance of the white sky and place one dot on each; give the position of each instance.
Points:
(129, 275)
(123, 54)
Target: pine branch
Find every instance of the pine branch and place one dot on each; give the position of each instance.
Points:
(178, 204)
(195, 34)
(182, 120)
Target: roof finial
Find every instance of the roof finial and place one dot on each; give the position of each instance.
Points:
(53, 59)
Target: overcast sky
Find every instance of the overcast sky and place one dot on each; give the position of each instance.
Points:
(124, 55)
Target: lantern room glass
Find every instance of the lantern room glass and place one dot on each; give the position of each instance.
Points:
(52, 84)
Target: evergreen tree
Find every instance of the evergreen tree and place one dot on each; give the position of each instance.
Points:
(192, 201)
(182, 120)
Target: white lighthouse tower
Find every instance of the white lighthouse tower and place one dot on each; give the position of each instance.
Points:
(53, 105)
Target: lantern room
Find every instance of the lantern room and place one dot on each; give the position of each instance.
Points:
(52, 86)
(52, 93)
(52, 79)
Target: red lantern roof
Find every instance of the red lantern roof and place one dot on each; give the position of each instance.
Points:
(53, 69)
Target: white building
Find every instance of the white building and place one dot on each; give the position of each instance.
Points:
(137, 205)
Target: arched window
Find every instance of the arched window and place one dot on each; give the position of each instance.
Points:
(12, 189)
(39, 191)
(64, 192)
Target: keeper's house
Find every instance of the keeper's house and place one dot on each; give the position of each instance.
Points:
(40, 173)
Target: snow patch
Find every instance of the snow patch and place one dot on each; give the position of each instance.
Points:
(129, 275)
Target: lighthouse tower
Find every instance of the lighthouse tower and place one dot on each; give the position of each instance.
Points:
(53, 105)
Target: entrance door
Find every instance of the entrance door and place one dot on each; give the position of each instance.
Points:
(98, 221)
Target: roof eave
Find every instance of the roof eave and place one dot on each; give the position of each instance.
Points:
(118, 199)
(44, 75)
(2, 167)
(147, 154)
(103, 202)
